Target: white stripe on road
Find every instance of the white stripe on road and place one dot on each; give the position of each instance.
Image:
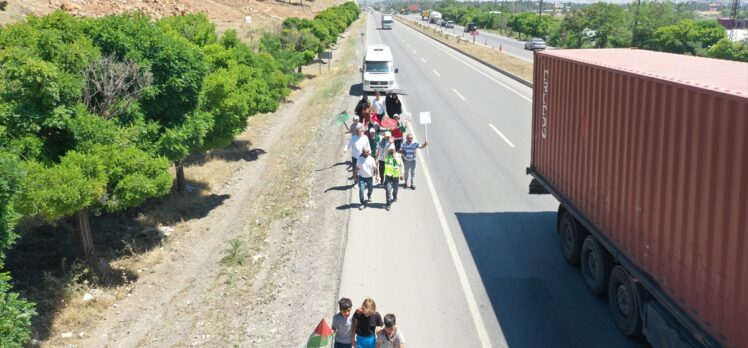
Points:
(461, 60)
(458, 94)
(437, 74)
(501, 135)
(414, 52)
(467, 290)
(423, 60)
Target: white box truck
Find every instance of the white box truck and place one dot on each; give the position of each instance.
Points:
(378, 71)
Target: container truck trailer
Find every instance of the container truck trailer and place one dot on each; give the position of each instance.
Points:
(647, 153)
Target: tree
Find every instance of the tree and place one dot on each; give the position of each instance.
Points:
(196, 28)
(574, 26)
(73, 160)
(653, 15)
(15, 313)
(688, 37)
(178, 69)
(726, 49)
(607, 23)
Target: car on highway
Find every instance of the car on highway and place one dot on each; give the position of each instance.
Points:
(450, 24)
(470, 27)
(535, 44)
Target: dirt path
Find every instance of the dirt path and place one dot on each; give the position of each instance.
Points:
(281, 213)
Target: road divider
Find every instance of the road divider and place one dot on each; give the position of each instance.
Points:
(511, 66)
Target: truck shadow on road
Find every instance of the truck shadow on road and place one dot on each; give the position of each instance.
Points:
(539, 300)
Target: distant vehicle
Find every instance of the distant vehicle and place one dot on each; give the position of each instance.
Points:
(402, 11)
(425, 15)
(378, 71)
(442, 23)
(535, 44)
(450, 24)
(387, 21)
(434, 17)
(470, 27)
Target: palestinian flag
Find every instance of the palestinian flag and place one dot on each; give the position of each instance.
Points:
(321, 337)
(342, 118)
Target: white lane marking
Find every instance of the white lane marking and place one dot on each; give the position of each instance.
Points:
(423, 60)
(501, 135)
(407, 44)
(458, 94)
(472, 67)
(414, 52)
(437, 74)
(467, 290)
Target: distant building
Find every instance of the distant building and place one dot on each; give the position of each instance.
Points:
(714, 7)
(727, 23)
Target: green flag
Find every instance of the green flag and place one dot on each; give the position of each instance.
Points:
(342, 118)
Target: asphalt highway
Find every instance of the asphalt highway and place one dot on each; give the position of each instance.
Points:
(469, 259)
(508, 45)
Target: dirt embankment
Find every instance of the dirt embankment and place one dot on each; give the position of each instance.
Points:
(227, 14)
(261, 266)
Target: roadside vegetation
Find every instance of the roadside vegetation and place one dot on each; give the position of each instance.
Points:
(660, 26)
(98, 115)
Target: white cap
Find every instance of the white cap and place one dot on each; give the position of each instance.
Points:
(391, 147)
(372, 130)
(387, 134)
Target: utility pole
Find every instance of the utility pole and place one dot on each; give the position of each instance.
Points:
(636, 24)
(540, 14)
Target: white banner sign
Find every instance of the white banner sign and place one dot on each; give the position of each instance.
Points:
(425, 117)
(407, 117)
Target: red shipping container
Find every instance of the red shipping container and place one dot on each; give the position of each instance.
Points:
(653, 149)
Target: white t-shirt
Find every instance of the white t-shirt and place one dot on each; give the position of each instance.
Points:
(357, 145)
(378, 108)
(367, 167)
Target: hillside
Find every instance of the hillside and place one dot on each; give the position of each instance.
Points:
(227, 14)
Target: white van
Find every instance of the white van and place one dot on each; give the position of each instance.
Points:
(387, 22)
(378, 71)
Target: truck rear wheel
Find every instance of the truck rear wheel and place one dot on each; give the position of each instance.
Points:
(595, 263)
(623, 302)
(570, 237)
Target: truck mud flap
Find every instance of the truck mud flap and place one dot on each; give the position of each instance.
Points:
(536, 188)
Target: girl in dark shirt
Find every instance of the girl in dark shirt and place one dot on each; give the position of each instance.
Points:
(366, 323)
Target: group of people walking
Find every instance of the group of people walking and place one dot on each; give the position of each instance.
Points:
(378, 153)
(364, 327)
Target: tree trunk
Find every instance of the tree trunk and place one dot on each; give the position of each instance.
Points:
(97, 266)
(181, 184)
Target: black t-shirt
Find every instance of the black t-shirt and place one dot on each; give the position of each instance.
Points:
(367, 325)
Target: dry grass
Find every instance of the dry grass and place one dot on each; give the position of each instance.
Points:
(291, 174)
(487, 54)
